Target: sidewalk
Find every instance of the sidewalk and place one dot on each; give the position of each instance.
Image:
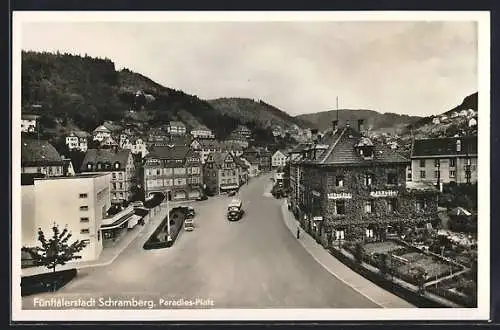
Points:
(365, 287)
(109, 254)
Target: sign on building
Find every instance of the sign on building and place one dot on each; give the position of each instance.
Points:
(383, 193)
(342, 195)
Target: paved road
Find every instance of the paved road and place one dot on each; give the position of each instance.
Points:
(253, 263)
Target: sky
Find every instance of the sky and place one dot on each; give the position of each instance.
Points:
(415, 68)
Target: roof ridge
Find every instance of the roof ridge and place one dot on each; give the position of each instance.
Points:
(330, 150)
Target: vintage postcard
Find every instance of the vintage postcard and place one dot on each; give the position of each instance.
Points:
(177, 166)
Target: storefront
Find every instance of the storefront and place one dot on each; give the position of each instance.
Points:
(228, 187)
(113, 228)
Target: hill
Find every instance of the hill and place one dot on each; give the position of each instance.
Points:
(447, 124)
(389, 122)
(248, 110)
(73, 92)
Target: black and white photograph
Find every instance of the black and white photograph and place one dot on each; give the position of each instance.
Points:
(250, 166)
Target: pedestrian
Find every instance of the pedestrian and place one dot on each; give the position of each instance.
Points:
(298, 232)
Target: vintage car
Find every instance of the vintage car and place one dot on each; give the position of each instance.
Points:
(234, 210)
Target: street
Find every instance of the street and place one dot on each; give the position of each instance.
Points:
(255, 262)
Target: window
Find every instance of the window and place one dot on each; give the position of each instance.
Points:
(368, 179)
(409, 176)
(392, 178)
(339, 207)
(83, 195)
(452, 174)
(223, 173)
(422, 174)
(420, 205)
(121, 185)
(84, 208)
(392, 205)
(369, 233)
(452, 162)
(339, 234)
(89, 167)
(120, 175)
(234, 172)
(98, 235)
(422, 163)
(121, 195)
(436, 174)
(84, 219)
(339, 181)
(223, 180)
(436, 162)
(114, 175)
(85, 231)
(368, 207)
(114, 186)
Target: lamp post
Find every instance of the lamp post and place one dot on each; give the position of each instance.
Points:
(438, 165)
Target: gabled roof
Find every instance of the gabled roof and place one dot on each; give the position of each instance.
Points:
(444, 146)
(209, 143)
(342, 149)
(282, 152)
(110, 156)
(102, 128)
(169, 152)
(176, 123)
(37, 152)
(219, 157)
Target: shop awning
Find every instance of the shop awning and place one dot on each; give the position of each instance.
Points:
(133, 220)
(233, 186)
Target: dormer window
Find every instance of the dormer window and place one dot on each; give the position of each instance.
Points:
(459, 146)
(89, 166)
(99, 166)
(365, 148)
(368, 179)
(392, 178)
(339, 181)
(117, 165)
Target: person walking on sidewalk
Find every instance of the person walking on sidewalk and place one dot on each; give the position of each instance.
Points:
(298, 232)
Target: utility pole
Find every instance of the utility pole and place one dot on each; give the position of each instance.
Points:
(169, 238)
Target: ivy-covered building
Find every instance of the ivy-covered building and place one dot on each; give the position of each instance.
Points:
(346, 187)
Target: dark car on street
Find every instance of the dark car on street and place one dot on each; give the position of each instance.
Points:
(202, 198)
(234, 210)
(232, 193)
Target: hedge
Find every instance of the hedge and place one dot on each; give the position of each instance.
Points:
(46, 282)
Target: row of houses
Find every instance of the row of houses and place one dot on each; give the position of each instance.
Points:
(347, 186)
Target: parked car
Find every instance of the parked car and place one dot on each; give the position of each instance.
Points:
(202, 198)
(187, 211)
(232, 193)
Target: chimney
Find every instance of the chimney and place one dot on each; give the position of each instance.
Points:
(347, 124)
(335, 124)
(361, 125)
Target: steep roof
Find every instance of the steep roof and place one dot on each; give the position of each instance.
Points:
(37, 152)
(444, 147)
(342, 149)
(110, 156)
(219, 157)
(102, 128)
(169, 152)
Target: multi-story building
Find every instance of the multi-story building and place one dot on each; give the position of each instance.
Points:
(243, 130)
(238, 139)
(243, 169)
(445, 160)
(279, 159)
(176, 128)
(204, 147)
(101, 133)
(253, 165)
(232, 147)
(135, 144)
(77, 202)
(349, 187)
(221, 173)
(264, 160)
(174, 169)
(77, 141)
(118, 162)
(39, 156)
(202, 133)
(29, 123)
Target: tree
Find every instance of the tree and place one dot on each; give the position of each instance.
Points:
(55, 250)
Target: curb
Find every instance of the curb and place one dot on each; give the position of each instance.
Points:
(285, 213)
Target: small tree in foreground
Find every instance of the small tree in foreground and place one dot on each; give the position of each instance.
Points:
(55, 250)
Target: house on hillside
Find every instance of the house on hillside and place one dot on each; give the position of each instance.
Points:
(253, 165)
(238, 138)
(443, 160)
(204, 147)
(77, 141)
(119, 163)
(176, 128)
(202, 132)
(243, 131)
(463, 113)
(38, 156)
(101, 133)
(29, 123)
(473, 122)
(232, 147)
(436, 121)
